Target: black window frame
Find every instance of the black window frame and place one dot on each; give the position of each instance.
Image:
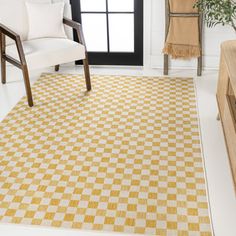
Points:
(117, 58)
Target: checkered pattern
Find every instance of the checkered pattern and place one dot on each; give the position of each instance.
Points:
(125, 157)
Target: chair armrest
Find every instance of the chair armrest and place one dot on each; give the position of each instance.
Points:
(5, 30)
(78, 27)
(71, 23)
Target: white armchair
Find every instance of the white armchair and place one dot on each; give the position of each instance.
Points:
(37, 53)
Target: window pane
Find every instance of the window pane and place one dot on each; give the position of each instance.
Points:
(121, 27)
(95, 31)
(121, 5)
(93, 5)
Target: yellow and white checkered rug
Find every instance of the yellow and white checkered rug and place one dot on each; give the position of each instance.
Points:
(125, 157)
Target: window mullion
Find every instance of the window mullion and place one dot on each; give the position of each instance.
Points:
(108, 37)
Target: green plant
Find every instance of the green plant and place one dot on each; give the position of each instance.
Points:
(218, 12)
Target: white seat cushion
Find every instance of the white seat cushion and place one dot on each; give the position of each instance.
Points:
(45, 52)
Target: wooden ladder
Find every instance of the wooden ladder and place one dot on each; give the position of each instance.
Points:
(169, 14)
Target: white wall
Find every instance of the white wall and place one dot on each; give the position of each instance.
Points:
(154, 17)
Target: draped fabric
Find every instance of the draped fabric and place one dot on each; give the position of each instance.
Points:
(183, 35)
(182, 6)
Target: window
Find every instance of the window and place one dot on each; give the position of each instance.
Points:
(113, 30)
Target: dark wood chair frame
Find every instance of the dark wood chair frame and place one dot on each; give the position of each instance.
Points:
(22, 64)
(169, 14)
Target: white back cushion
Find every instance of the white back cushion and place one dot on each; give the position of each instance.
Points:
(13, 14)
(45, 20)
(68, 14)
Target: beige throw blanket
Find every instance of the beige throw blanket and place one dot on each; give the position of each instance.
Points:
(183, 36)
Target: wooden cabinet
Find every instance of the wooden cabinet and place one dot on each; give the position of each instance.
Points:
(226, 98)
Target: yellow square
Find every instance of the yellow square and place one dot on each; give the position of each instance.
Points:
(172, 225)
(151, 223)
(54, 202)
(10, 212)
(89, 219)
(109, 220)
(132, 207)
(193, 226)
(30, 214)
(193, 211)
(69, 217)
(130, 222)
(49, 216)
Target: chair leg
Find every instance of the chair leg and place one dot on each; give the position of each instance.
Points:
(199, 66)
(3, 62)
(3, 71)
(27, 85)
(87, 74)
(57, 67)
(166, 64)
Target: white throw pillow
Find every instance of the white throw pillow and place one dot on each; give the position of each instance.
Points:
(45, 20)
